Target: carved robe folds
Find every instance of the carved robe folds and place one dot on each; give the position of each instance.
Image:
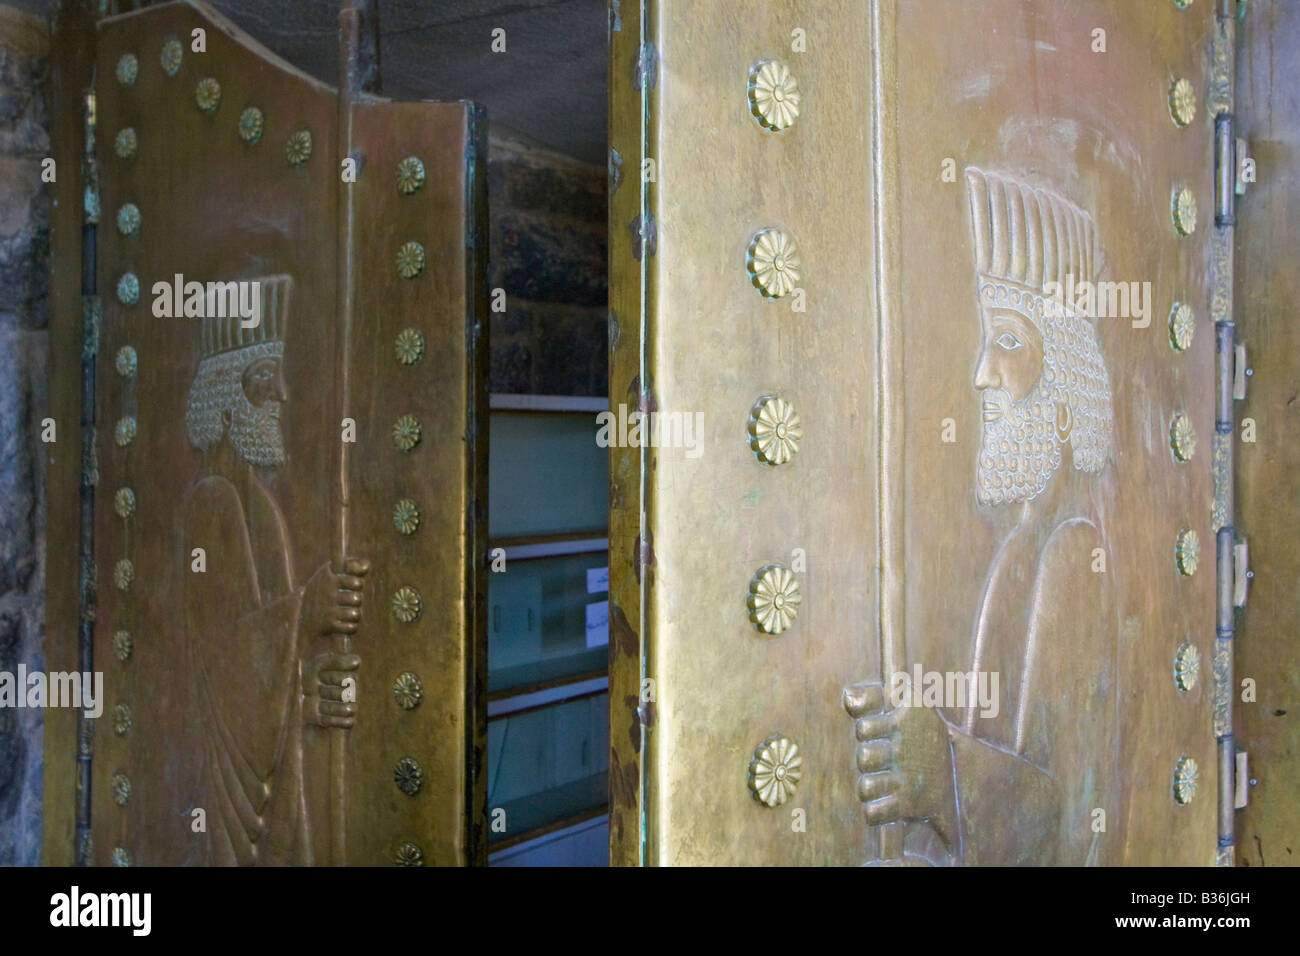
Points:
(242, 619)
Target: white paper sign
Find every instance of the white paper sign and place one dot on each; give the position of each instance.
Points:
(598, 624)
(597, 580)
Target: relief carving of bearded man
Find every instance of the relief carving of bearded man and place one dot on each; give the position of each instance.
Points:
(1022, 786)
(250, 620)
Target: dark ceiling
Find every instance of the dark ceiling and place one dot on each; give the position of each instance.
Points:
(549, 84)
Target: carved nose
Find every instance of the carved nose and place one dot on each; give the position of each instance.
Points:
(985, 377)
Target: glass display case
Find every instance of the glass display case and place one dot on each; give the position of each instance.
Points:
(548, 636)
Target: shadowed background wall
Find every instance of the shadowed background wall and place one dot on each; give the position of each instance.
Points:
(24, 286)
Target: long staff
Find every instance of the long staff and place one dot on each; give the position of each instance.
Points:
(349, 58)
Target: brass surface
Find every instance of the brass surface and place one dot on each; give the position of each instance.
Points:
(774, 770)
(1187, 551)
(128, 68)
(1182, 437)
(1186, 779)
(406, 516)
(72, 66)
(128, 289)
(1182, 327)
(775, 430)
(410, 175)
(629, 127)
(128, 219)
(409, 346)
(251, 123)
(298, 148)
(1187, 666)
(1268, 470)
(774, 599)
(927, 545)
(773, 95)
(410, 260)
(234, 671)
(1184, 211)
(1182, 101)
(126, 142)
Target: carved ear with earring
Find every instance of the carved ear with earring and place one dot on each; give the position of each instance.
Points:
(1064, 421)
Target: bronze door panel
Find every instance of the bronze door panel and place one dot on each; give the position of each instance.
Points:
(264, 484)
(998, 484)
(1268, 464)
(714, 344)
(1066, 584)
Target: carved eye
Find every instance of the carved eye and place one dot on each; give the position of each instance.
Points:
(1008, 341)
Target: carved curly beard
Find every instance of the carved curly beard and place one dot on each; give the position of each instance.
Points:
(255, 432)
(1019, 452)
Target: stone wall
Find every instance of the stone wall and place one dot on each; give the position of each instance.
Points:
(547, 252)
(24, 315)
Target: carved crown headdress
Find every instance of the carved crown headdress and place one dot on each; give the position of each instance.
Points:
(225, 333)
(1028, 237)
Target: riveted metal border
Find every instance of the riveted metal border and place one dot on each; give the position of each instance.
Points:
(68, 578)
(633, 97)
(89, 478)
(1221, 307)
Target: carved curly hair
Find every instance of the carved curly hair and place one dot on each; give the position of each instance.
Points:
(218, 388)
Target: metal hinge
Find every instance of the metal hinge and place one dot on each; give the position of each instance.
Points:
(1231, 563)
(647, 68)
(645, 236)
(1225, 170)
(615, 170)
(1240, 373)
(1242, 575)
(89, 457)
(1242, 777)
(92, 316)
(89, 584)
(90, 200)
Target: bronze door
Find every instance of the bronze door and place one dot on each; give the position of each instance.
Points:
(1268, 458)
(938, 279)
(288, 475)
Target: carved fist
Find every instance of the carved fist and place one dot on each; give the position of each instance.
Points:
(329, 682)
(904, 757)
(332, 601)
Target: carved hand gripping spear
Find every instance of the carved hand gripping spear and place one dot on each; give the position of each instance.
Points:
(867, 704)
